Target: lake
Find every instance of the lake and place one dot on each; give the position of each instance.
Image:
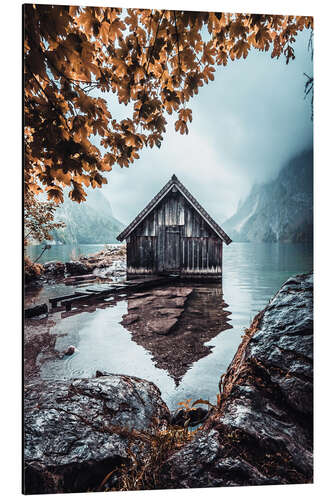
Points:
(253, 273)
(64, 253)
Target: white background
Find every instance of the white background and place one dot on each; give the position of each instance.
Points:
(10, 271)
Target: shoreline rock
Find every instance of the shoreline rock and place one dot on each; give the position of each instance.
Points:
(54, 268)
(263, 432)
(107, 263)
(77, 268)
(76, 432)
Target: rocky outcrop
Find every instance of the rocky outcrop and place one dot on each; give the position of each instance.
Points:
(54, 268)
(190, 418)
(77, 268)
(262, 433)
(78, 431)
(107, 263)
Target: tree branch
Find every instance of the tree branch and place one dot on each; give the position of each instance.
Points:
(177, 37)
(49, 99)
(157, 30)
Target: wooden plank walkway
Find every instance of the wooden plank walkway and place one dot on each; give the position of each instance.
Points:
(102, 291)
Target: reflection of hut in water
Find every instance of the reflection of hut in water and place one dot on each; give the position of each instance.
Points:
(174, 234)
(174, 323)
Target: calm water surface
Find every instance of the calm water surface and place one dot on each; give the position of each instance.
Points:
(252, 275)
(63, 253)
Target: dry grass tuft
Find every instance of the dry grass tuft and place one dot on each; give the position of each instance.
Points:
(146, 459)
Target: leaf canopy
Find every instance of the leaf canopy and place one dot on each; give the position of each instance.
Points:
(157, 60)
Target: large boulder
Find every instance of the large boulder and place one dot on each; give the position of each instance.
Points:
(76, 432)
(77, 268)
(262, 433)
(54, 268)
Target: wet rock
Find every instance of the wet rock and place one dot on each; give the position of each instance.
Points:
(100, 373)
(263, 432)
(195, 416)
(54, 268)
(36, 311)
(70, 350)
(77, 431)
(77, 268)
(108, 262)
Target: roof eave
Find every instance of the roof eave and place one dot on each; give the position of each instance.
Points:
(190, 198)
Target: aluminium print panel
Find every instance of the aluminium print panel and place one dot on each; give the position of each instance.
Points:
(168, 249)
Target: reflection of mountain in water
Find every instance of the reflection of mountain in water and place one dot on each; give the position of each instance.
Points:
(174, 323)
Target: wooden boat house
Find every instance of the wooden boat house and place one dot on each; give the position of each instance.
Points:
(173, 234)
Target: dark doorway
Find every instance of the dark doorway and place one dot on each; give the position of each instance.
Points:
(169, 249)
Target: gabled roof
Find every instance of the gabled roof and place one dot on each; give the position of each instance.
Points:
(164, 191)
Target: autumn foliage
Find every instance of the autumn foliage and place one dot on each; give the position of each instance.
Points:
(38, 219)
(155, 61)
(32, 270)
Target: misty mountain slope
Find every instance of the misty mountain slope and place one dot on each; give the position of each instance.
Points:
(281, 210)
(89, 222)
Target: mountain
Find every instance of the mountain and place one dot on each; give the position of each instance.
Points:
(281, 210)
(89, 222)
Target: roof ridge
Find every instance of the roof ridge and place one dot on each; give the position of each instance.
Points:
(201, 210)
(159, 196)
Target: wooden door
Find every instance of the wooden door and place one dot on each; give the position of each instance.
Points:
(168, 246)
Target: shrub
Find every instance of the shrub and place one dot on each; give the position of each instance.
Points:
(32, 270)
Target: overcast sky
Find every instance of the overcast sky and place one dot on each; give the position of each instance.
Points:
(246, 124)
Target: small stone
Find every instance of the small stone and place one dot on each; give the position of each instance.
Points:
(70, 350)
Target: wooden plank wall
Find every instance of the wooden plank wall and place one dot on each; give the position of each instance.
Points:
(201, 249)
(174, 210)
(141, 254)
(201, 254)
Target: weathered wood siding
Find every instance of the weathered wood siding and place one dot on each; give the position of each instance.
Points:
(174, 233)
(141, 254)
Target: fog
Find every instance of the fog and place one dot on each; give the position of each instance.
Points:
(246, 124)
